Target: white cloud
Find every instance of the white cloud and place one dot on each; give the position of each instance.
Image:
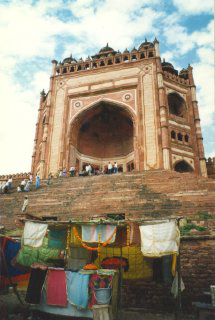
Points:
(193, 7)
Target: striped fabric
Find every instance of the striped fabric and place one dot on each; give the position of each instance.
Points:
(98, 233)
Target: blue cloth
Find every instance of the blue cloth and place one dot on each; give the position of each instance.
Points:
(77, 289)
(37, 182)
(57, 238)
(11, 251)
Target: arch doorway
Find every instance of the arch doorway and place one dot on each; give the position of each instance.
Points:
(183, 166)
(101, 134)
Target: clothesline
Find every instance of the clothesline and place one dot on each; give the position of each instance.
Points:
(102, 221)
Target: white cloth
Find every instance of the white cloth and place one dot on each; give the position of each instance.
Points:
(174, 288)
(160, 239)
(98, 233)
(34, 233)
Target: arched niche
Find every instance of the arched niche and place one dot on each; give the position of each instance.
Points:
(177, 105)
(103, 131)
(183, 166)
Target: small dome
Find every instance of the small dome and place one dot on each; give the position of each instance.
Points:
(126, 51)
(183, 74)
(146, 44)
(69, 60)
(106, 49)
(134, 50)
(167, 66)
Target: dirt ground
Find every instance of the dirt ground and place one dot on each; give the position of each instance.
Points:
(11, 309)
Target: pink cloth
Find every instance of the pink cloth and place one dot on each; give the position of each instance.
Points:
(56, 288)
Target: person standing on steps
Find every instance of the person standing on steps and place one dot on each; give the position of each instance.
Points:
(72, 171)
(37, 182)
(25, 204)
(110, 167)
(49, 179)
(115, 167)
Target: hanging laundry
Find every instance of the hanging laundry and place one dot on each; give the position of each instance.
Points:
(159, 239)
(98, 233)
(11, 250)
(34, 234)
(56, 288)
(77, 289)
(57, 238)
(35, 285)
(78, 257)
(28, 255)
(174, 289)
(167, 269)
(134, 234)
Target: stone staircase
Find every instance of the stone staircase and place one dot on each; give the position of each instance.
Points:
(152, 194)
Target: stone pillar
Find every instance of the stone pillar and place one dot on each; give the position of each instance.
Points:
(54, 64)
(199, 137)
(163, 121)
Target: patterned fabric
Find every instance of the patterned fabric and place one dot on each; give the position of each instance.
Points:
(91, 233)
(34, 234)
(77, 289)
(139, 267)
(160, 239)
(56, 288)
(27, 255)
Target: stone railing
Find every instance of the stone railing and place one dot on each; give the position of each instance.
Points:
(175, 78)
(15, 177)
(118, 58)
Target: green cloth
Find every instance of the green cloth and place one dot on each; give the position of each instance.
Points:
(28, 255)
(57, 238)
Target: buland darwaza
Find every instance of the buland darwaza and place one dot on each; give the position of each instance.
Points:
(127, 107)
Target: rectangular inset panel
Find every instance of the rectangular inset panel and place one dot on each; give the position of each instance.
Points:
(57, 129)
(149, 123)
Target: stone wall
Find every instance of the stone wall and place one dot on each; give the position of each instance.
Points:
(210, 163)
(198, 273)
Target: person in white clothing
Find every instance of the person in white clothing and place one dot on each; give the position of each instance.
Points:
(115, 167)
(110, 167)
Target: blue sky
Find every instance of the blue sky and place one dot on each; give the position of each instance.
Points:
(33, 33)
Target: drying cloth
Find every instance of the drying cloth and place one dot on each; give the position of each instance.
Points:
(34, 234)
(28, 255)
(78, 257)
(159, 239)
(11, 250)
(56, 288)
(77, 289)
(91, 233)
(139, 267)
(57, 238)
(167, 269)
(135, 238)
(35, 285)
(174, 289)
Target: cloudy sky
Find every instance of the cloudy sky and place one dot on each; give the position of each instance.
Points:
(33, 33)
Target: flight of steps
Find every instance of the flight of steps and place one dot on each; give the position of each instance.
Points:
(152, 194)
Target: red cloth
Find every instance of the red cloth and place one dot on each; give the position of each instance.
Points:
(56, 288)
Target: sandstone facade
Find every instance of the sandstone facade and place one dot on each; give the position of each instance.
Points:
(127, 107)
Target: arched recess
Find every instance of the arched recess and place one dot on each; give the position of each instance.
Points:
(183, 166)
(103, 131)
(177, 105)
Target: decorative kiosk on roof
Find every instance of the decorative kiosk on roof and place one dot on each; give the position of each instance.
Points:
(127, 107)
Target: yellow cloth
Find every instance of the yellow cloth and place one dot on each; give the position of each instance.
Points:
(139, 266)
(174, 259)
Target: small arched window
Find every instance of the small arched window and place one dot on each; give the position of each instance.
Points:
(102, 64)
(173, 134)
(110, 62)
(150, 54)
(117, 60)
(180, 137)
(64, 70)
(72, 69)
(125, 58)
(94, 65)
(142, 56)
(186, 138)
(87, 66)
(177, 105)
(79, 68)
(134, 57)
